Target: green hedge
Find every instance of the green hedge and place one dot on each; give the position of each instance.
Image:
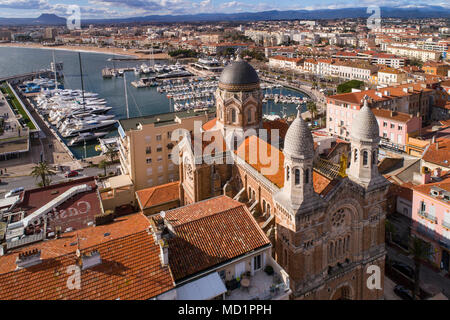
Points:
(16, 105)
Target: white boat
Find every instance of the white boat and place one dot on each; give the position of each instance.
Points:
(86, 136)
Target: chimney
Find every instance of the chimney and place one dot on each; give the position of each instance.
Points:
(90, 259)
(28, 258)
(386, 93)
(405, 90)
(164, 252)
(437, 145)
(433, 140)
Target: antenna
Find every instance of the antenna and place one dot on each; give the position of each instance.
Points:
(54, 69)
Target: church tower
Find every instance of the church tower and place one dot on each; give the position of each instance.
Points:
(364, 137)
(238, 101)
(297, 195)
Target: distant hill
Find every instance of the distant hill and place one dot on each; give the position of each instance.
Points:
(386, 12)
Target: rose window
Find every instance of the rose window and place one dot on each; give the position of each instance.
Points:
(337, 219)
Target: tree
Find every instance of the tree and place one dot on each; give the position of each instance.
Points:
(420, 250)
(312, 108)
(111, 154)
(42, 171)
(103, 165)
(390, 229)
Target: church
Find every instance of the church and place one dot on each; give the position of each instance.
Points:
(327, 232)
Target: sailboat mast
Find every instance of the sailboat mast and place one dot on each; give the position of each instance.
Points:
(82, 83)
(54, 69)
(126, 94)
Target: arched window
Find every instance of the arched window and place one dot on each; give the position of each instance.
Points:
(374, 158)
(249, 115)
(288, 171)
(285, 258)
(306, 173)
(233, 115)
(264, 206)
(348, 243)
(268, 209)
(331, 251)
(235, 143)
(355, 155)
(365, 158)
(297, 176)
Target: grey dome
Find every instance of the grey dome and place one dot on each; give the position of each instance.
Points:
(298, 140)
(365, 125)
(239, 72)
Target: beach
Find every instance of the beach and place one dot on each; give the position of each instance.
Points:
(91, 49)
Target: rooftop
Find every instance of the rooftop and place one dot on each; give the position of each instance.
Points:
(130, 265)
(154, 196)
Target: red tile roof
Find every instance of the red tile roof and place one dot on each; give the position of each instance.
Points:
(154, 196)
(210, 124)
(130, 267)
(439, 156)
(209, 233)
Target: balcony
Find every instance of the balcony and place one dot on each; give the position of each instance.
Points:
(446, 224)
(426, 215)
(264, 286)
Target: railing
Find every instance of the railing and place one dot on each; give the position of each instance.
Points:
(25, 240)
(426, 215)
(446, 224)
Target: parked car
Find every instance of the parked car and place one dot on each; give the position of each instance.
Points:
(71, 174)
(14, 192)
(403, 268)
(403, 293)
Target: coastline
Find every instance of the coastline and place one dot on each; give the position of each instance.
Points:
(88, 49)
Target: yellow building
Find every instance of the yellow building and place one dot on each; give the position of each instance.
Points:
(145, 146)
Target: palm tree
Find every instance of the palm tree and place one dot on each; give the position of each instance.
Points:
(42, 170)
(111, 154)
(390, 229)
(312, 108)
(103, 165)
(420, 250)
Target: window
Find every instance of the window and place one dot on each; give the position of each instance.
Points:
(158, 137)
(150, 182)
(400, 128)
(159, 149)
(384, 124)
(170, 167)
(356, 155)
(249, 115)
(159, 158)
(306, 175)
(148, 150)
(169, 135)
(233, 115)
(365, 158)
(374, 158)
(287, 173)
(423, 206)
(169, 156)
(160, 179)
(149, 171)
(148, 160)
(257, 262)
(148, 139)
(297, 176)
(160, 169)
(392, 126)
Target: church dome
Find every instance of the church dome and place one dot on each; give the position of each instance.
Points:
(238, 76)
(298, 140)
(365, 124)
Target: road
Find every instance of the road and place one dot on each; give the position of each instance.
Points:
(427, 275)
(29, 182)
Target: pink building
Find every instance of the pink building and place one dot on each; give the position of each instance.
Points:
(395, 127)
(431, 218)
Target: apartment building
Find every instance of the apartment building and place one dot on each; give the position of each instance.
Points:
(431, 219)
(410, 99)
(391, 76)
(413, 53)
(146, 145)
(344, 69)
(285, 62)
(396, 127)
(388, 60)
(436, 68)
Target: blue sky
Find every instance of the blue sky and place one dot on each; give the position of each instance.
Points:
(130, 8)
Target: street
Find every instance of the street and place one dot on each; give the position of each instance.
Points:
(29, 182)
(427, 275)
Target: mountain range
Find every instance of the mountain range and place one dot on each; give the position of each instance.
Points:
(386, 12)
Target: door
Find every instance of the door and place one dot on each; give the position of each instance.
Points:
(240, 269)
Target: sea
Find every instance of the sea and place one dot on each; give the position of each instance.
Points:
(141, 101)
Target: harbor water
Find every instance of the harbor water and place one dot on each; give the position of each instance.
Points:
(141, 101)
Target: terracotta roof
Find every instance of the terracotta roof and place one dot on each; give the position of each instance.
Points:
(281, 125)
(278, 177)
(210, 233)
(210, 124)
(158, 195)
(393, 115)
(439, 156)
(130, 267)
(426, 188)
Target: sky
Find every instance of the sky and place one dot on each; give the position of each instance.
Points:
(132, 8)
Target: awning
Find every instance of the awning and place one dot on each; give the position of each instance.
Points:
(204, 288)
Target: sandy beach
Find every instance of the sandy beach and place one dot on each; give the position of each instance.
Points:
(117, 51)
